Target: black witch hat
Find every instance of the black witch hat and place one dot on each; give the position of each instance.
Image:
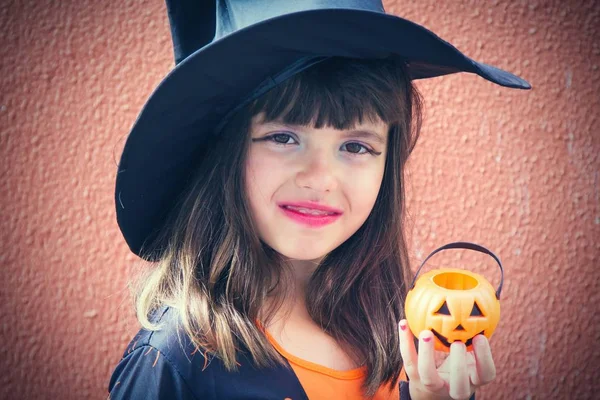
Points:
(229, 52)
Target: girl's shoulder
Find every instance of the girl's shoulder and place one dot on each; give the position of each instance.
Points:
(159, 365)
(165, 364)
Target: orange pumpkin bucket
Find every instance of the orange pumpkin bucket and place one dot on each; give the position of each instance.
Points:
(455, 304)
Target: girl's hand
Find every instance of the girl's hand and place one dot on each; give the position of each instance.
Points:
(455, 377)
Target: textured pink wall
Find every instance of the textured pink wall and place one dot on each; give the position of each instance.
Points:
(515, 171)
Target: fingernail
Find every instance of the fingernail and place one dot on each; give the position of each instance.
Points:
(458, 343)
(427, 339)
(403, 325)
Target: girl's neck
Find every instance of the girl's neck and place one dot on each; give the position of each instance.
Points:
(303, 270)
(294, 308)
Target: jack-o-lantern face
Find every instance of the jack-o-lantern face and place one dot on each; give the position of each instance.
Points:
(456, 305)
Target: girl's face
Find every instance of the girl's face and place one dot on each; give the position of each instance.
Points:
(342, 169)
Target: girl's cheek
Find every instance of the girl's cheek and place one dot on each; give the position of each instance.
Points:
(366, 186)
(264, 172)
(267, 166)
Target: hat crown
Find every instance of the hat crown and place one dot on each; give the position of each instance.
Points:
(233, 15)
(195, 24)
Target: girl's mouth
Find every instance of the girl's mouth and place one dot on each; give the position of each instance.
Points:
(311, 218)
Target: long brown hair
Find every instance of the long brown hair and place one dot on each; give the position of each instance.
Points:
(216, 271)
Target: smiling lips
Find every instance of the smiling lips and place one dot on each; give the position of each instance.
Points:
(313, 216)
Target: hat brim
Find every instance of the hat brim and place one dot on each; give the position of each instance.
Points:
(162, 147)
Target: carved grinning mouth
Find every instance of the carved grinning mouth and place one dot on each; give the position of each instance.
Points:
(445, 341)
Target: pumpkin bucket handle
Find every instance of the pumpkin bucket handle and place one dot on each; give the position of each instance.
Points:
(468, 246)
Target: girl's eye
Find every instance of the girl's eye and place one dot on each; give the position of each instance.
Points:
(354, 148)
(358, 146)
(279, 138)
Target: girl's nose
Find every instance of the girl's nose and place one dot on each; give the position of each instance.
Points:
(317, 173)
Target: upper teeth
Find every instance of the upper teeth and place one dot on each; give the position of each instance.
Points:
(308, 211)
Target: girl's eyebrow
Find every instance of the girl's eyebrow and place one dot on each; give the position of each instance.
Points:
(357, 133)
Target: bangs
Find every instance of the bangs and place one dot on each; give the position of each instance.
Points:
(340, 93)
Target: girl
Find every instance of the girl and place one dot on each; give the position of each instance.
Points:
(264, 179)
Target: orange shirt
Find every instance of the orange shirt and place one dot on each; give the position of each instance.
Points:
(320, 382)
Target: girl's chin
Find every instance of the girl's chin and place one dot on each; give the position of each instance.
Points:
(294, 247)
(302, 255)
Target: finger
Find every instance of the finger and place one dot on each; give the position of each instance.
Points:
(472, 368)
(408, 351)
(460, 387)
(430, 378)
(484, 363)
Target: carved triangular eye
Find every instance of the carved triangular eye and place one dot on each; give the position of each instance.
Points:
(476, 311)
(443, 310)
